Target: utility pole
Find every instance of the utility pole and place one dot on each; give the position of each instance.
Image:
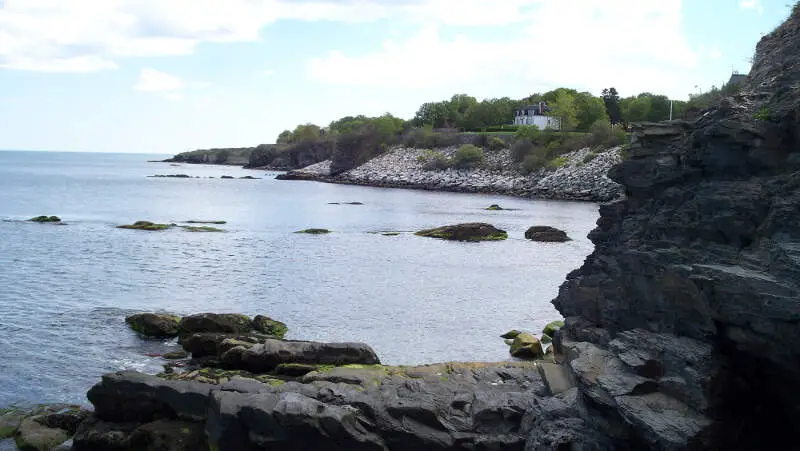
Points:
(670, 110)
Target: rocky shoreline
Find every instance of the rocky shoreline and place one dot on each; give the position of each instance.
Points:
(582, 177)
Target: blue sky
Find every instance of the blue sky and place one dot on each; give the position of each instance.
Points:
(165, 76)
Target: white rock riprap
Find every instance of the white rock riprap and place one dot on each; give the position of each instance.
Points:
(582, 178)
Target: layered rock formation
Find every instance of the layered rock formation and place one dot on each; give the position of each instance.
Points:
(682, 326)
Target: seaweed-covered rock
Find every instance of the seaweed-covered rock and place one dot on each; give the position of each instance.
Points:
(551, 328)
(314, 231)
(269, 326)
(32, 435)
(266, 356)
(154, 324)
(526, 346)
(475, 231)
(198, 221)
(494, 207)
(216, 322)
(511, 334)
(202, 229)
(46, 219)
(145, 225)
(546, 234)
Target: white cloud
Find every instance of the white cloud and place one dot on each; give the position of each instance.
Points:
(593, 52)
(268, 72)
(153, 80)
(92, 35)
(752, 4)
(174, 96)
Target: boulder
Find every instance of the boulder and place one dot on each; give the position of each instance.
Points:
(176, 355)
(494, 207)
(145, 225)
(46, 219)
(232, 323)
(551, 328)
(9, 422)
(269, 326)
(32, 435)
(511, 334)
(475, 231)
(169, 435)
(546, 234)
(154, 324)
(268, 355)
(314, 231)
(526, 346)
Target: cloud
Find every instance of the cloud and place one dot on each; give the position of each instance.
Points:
(544, 54)
(153, 80)
(752, 4)
(268, 72)
(93, 35)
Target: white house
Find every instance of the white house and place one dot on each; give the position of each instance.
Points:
(535, 115)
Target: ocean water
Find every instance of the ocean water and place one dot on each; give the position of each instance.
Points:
(65, 290)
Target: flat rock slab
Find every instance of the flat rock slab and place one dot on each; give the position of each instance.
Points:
(556, 377)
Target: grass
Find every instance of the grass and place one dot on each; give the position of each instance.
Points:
(558, 162)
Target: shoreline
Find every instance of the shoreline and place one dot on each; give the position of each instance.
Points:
(582, 177)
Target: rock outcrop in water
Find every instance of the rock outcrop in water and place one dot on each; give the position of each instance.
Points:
(472, 231)
(682, 326)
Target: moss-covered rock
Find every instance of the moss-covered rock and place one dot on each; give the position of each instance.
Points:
(145, 225)
(175, 355)
(551, 328)
(511, 334)
(196, 221)
(202, 229)
(546, 234)
(46, 219)
(494, 207)
(526, 346)
(390, 233)
(269, 326)
(474, 231)
(296, 369)
(154, 324)
(313, 231)
(35, 436)
(10, 420)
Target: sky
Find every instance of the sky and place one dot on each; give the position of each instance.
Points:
(167, 76)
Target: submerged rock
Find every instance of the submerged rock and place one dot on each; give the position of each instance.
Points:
(46, 219)
(546, 234)
(475, 231)
(494, 207)
(314, 231)
(201, 229)
(511, 334)
(196, 221)
(145, 225)
(154, 324)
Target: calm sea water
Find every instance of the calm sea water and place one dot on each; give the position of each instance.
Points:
(65, 290)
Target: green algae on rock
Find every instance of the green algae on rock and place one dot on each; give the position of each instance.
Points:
(154, 324)
(474, 231)
(46, 219)
(551, 328)
(313, 231)
(269, 326)
(526, 346)
(201, 229)
(494, 207)
(145, 225)
(511, 334)
(197, 221)
(390, 233)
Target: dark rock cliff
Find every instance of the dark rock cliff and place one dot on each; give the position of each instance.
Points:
(682, 327)
(290, 156)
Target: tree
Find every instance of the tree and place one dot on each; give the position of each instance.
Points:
(636, 109)
(611, 101)
(306, 132)
(285, 137)
(590, 109)
(564, 109)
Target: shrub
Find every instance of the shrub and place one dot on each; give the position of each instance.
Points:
(433, 161)
(558, 162)
(533, 162)
(355, 148)
(528, 133)
(589, 157)
(468, 157)
(521, 149)
(496, 143)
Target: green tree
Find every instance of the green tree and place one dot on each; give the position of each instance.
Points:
(306, 132)
(590, 109)
(635, 109)
(565, 110)
(611, 101)
(285, 137)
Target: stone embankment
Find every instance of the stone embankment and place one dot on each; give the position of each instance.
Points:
(582, 177)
